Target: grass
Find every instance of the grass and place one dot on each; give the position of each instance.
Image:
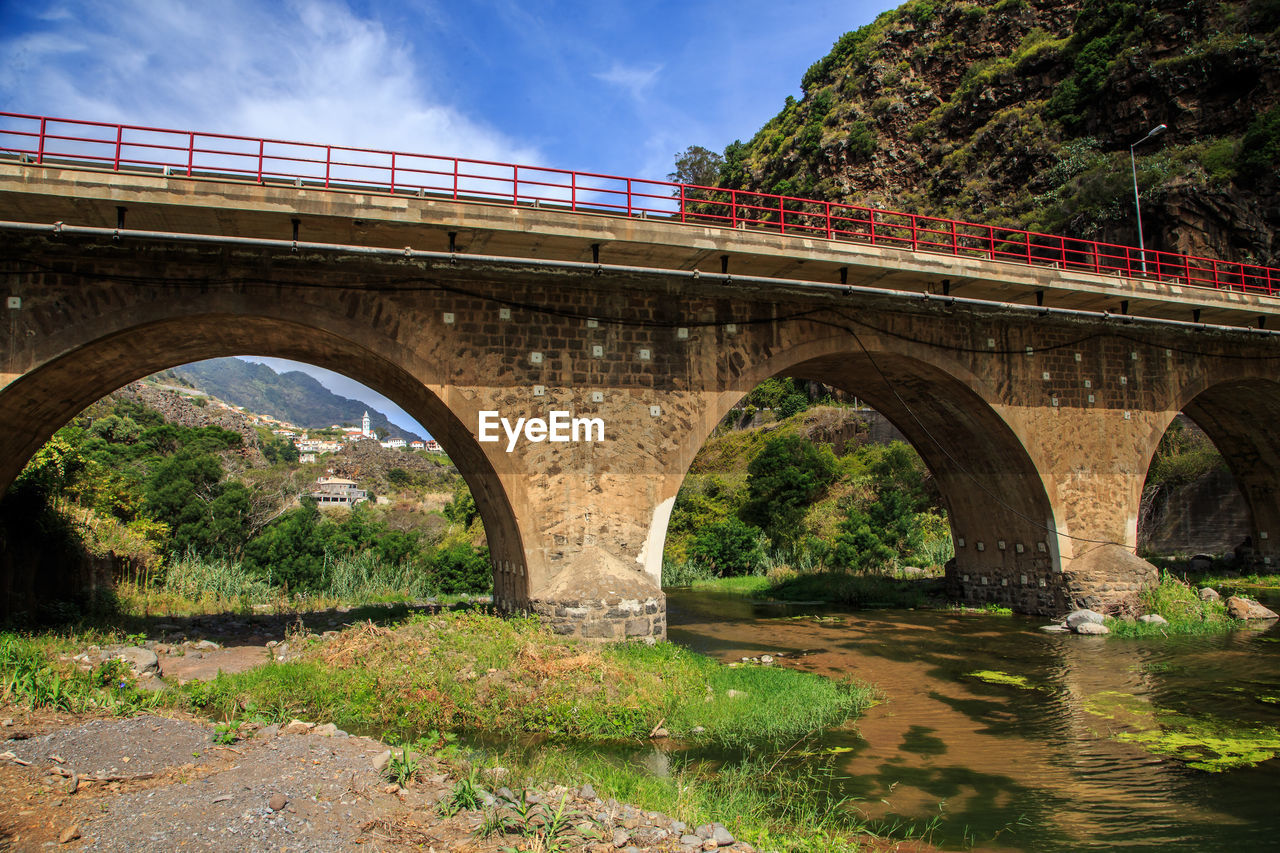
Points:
(32, 677)
(195, 585)
(473, 673)
(1179, 603)
(833, 586)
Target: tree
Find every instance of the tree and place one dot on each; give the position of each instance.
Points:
(698, 166)
(783, 480)
(730, 547)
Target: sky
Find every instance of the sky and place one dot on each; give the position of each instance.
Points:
(612, 87)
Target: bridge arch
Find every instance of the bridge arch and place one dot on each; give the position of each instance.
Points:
(40, 401)
(1239, 413)
(1002, 519)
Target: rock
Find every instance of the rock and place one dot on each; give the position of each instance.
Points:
(710, 844)
(326, 730)
(393, 788)
(766, 659)
(1244, 608)
(1208, 593)
(505, 793)
(207, 646)
(1079, 617)
(1055, 628)
(720, 835)
(691, 841)
(297, 727)
(620, 838)
(586, 792)
(71, 833)
(1153, 619)
(659, 733)
(1092, 628)
(277, 802)
(705, 831)
(270, 731)
(140, 660)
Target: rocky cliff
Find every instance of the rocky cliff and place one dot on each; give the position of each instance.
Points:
(1021, 113)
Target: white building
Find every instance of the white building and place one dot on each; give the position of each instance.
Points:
(394, 444)
(335, 491)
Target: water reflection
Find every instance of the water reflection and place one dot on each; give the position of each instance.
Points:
(1011, 768)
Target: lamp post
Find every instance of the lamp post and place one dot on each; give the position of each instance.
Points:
(1154, 132)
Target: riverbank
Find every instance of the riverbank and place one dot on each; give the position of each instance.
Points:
(546, 710)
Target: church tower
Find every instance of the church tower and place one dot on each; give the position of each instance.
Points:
(364, 426)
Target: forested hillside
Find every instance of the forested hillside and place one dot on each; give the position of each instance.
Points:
(1021, 113)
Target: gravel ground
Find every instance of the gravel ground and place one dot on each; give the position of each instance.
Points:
(160, 783)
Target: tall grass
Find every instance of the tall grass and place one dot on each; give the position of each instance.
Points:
(1179, 603)
(365, 577)
(469, 672)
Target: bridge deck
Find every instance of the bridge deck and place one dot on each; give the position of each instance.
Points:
(225, 207)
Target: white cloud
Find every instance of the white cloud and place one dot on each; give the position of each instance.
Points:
(636, 80)
(308, 70)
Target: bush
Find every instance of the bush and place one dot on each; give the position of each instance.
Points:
(782, 481)
(729, 547)
(461, 569)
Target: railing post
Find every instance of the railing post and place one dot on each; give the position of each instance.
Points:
(191, 152)
(682, 189)
(782, 215)
(515, 186)
(628, 198)
(1097, 258)
(733, 208)
(262, 145)
(1062, 245)
(871, 218)
(573, 191)
(328, 163)
(1026, 236)
(393, 172)
(455, 178)
(955, 240)
(991, 243)
(828, 212)
(915, 233)
(119, 140)
(40, 151)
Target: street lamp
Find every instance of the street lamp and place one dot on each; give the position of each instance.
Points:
(1152, 134)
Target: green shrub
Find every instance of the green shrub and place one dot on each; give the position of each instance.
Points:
(729, 547)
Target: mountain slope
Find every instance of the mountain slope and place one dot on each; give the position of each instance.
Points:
(292, 396)
(1021, 113)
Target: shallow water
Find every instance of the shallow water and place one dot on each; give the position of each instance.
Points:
(1012, 769)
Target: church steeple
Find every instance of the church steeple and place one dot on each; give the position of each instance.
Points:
(364, 426)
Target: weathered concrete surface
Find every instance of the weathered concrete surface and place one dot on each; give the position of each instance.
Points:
(1039, 429)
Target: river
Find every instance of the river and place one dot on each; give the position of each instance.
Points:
(996, 767)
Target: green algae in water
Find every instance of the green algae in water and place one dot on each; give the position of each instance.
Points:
(1203, 744)
(991, 676)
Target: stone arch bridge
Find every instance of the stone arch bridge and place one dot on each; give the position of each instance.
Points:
(1036, 395)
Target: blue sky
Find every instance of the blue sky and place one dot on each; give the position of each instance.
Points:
(614, 87)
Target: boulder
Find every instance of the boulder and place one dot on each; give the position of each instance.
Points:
(141, 661)
(1244, 608)
(1153, 619)
(1208, 593)
(1081, 617)
(1092, 628)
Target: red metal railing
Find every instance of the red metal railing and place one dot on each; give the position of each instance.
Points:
(40, 139)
